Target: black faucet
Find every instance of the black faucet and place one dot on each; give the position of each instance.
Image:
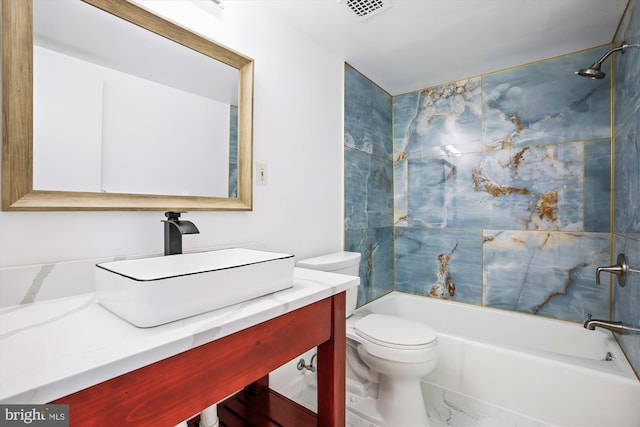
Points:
(173, 231)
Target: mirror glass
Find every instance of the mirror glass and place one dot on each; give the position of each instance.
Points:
(119, 109)
(127, 104)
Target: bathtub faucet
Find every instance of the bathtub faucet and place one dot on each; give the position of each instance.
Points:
(617, 327)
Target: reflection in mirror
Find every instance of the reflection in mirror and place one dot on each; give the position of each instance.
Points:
(152, 113)
(233, 152)
(109, 96)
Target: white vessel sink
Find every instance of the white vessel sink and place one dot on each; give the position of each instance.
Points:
(152, 291)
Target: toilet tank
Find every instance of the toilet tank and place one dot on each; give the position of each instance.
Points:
(339, 262)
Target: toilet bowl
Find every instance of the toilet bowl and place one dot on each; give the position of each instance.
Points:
(386, 356)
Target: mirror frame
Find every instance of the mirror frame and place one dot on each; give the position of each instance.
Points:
(17, 116)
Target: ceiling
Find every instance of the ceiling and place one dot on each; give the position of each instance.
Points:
(421, 43)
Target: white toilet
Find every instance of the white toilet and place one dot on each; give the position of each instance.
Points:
(386, 356)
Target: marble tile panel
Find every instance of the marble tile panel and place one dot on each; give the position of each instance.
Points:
(535, 188)
(357, 111)
(544, 103)
(629, 28)
(547, 273)
(368, 182)
(626, 77)
(626, 301)
(432, 185)
(400, 193)
(382, 123)
(597, 185)
(405, 111)
(626, 196)
(376, 265)
(442, 120)
(441, 263)
(368, 115)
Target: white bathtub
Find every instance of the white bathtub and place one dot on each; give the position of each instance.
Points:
(550, 372)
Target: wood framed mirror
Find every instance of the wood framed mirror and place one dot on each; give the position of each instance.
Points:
(18, 158)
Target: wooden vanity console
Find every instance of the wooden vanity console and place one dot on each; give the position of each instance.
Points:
(172, 390)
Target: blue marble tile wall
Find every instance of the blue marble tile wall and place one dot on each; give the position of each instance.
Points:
(502, 189)
(626, 194)
(368, 182)
(496, 189)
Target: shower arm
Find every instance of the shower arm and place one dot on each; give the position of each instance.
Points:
(622, 47)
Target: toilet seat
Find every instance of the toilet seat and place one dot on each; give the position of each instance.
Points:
(395, 339)
(395, 332)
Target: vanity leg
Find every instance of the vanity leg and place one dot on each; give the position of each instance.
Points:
(259, 385)
(332, 370)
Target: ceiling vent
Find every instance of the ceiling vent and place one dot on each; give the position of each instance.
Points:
(367, 8)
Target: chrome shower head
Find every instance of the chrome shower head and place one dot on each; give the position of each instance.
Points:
(594, 71)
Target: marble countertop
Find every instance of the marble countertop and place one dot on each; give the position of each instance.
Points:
(52, 348)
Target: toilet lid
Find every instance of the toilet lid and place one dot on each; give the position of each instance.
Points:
(395, 332)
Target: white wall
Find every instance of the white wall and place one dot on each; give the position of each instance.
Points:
(297, 133)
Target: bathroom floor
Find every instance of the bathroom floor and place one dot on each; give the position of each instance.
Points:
(445, 409)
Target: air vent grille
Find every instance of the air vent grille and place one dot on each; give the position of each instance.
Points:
(368, 8)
